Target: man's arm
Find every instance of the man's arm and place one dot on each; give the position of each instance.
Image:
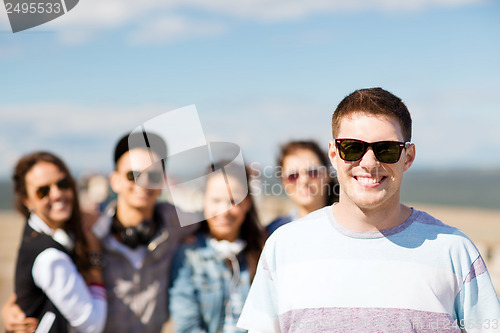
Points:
(477, 304)
(15, 319)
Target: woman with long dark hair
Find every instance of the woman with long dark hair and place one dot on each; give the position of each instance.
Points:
(58, 273)
(211, 276)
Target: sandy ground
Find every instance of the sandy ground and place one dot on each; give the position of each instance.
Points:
(482, 226)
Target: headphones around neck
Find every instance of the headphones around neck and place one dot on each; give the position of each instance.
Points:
(134, 236)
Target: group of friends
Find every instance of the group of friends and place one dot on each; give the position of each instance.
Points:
(349, 258)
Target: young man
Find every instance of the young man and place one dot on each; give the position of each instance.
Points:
(370, 263)
(139, 238)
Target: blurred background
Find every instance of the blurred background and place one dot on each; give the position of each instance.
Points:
(261, 72)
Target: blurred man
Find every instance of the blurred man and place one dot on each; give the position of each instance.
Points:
(370, 263)
(140, 237)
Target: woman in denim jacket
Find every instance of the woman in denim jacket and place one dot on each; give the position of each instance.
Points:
(211, 275)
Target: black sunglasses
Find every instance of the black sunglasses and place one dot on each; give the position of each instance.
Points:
(43, 191)
(154, 177)
(385, 151)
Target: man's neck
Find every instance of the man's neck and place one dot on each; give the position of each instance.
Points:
(131, 216)
(359, 219)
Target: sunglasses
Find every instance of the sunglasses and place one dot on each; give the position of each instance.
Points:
(43, 191)
(313, 173)
(154, 177)
(385, 151)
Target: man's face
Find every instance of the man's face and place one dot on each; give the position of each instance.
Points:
(129, 192)
(368, 183)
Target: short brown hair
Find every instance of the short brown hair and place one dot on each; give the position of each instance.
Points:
(375, 101)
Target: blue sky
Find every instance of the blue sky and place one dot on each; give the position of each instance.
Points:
(260, 72)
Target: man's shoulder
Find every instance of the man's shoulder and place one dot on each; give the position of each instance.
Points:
(164, 208)
(177, 222)
(422, 218)
(435, 229)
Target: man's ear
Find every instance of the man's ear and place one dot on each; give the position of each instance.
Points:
(115, 182)
(332, 154)
(409, 157)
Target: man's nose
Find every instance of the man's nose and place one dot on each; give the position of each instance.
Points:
(369, 160)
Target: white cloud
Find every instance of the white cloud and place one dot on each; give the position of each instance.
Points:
(272, 10)
(83, 134)
(9, 51)
(162, 21)
(172, 28)
(79, 119)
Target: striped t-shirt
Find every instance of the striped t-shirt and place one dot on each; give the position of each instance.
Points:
(421, 276)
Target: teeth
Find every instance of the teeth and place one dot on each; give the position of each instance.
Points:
(58, 205)
(366, 180)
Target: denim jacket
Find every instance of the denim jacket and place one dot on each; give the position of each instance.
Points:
(200, 288)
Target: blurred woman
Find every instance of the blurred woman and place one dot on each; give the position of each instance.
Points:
(211, 276)
(305, 175)
(58, 273)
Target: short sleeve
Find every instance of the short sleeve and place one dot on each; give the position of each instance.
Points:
(260, 312)
(477, 304)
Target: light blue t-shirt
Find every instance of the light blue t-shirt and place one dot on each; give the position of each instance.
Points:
(421, 276)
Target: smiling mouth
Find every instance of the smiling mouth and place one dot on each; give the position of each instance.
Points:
(369, 181)
(59, 205)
